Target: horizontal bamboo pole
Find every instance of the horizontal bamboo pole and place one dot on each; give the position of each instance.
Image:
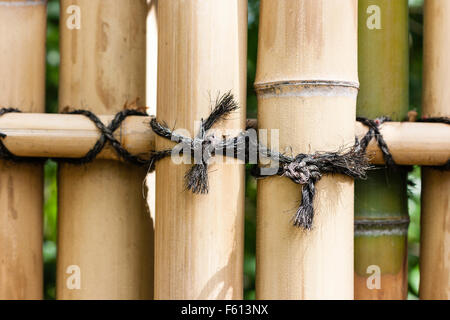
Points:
(72, 136)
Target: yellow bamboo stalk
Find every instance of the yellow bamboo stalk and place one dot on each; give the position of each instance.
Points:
(435, 226)
(22, 86)
(199, 238)
(307, 86)
(105, 234)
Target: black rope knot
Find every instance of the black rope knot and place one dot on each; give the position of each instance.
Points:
(308, 169)
(107, 135)
(304, 169)
(301, 170)
(374, 132)
(202, 148)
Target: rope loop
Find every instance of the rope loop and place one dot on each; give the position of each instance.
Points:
(203, 147)
(374, 132)
(106, 135)
(303, 169)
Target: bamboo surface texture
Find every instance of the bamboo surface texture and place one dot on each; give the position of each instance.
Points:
(435, 215)
(199, 238)
(72, 136)
(22, 85)
(381, 212)
(105, 237)
(306, 84)
(151, 93)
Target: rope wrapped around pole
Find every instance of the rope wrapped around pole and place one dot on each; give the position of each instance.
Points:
(303, 169)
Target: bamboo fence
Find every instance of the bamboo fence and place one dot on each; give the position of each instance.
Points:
(127, 234)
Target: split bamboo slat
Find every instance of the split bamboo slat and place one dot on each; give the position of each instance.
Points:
(306, 85)
(435, 214)
(199, 238)
(72, 136)
(22, 86)
(105, 246)
(381, 204)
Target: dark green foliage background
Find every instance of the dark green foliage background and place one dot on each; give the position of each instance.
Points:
(50, 208)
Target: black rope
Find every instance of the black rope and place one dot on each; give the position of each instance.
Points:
(107, 135)
(204, 146)
(303, 169)
(308, 169)
(374, 132)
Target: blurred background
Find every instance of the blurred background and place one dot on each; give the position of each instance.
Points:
(50, 206)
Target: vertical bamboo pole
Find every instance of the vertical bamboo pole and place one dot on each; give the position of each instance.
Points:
(105, 233)
(435, 228)
(22, 86)
(199, 238)
(381, 211)
(306, 84)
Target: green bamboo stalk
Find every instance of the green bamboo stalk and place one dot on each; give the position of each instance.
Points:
(381, 213)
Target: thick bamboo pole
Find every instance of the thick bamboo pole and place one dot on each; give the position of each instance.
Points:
(435, 228)
(307, 85)
(381, 212)
(22, 85)
(72, 136)
(105, 234)
(199, 238)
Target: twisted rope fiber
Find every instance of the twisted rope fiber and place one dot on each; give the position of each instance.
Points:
(304, 169)
(107, 135)
(204, 146)
(308, 169)
(374, 132)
